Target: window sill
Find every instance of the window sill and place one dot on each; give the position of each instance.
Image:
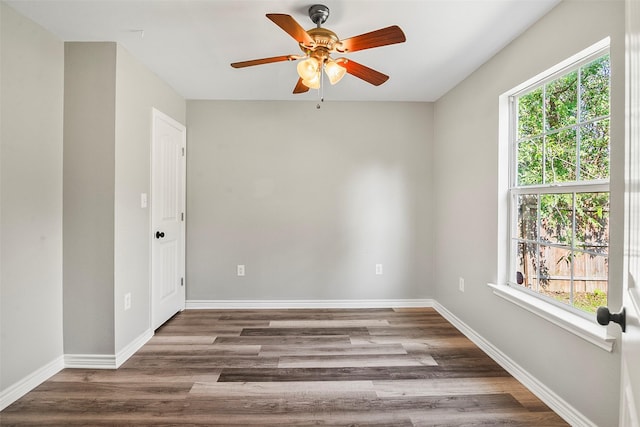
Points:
(583, 328)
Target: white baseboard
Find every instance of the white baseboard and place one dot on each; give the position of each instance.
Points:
(107, 361)
(90, 361)
(555, 402)
(132, 347)
(284, 304)
(31, 381)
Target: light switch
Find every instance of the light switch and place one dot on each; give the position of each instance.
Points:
(143, 200)
(378, 269)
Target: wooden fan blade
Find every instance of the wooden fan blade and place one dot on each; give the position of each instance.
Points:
(291, 27)
(377, 38)
(253, 62)
(300, 87)
(367, 74)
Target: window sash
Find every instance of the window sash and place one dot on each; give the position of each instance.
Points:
(514, 239)
(600, 50)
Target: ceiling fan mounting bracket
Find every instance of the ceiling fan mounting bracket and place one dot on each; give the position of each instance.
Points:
(318, 14)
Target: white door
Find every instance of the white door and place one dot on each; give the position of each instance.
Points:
(630, 348)
(168, 172)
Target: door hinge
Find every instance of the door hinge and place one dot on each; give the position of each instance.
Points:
(182, 216)
(182, 151)
(182, 281)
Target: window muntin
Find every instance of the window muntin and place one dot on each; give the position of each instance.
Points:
(560, 185)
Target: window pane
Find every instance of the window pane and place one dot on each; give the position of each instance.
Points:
(561, 156)
(561, 101)
(556, 218)
(594, 150)
(530, 114)
(555, 266)
(528, 217)
(594, 89)
(530, 162)
(526, 270)
(592, 222)
(590, 283)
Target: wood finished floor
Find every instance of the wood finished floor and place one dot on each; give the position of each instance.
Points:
(376, 367)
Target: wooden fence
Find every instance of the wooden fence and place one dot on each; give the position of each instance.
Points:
(590, 272)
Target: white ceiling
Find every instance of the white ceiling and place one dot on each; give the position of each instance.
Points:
(190, 43)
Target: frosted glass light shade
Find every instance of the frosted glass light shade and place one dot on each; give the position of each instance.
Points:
(308, 68)
(334, 71)
(312, 83)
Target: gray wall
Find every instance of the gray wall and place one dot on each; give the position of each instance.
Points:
(89, 156)
(137, 92)
(466, 201)
(108, 102)
(309, 200)
(30, 197)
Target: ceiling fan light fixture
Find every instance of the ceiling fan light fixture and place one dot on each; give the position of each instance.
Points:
(308, 69)
(318, 44)
(312, 83)
(334, 71)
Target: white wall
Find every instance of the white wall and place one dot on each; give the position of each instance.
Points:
(137, 92)
(309, 200)
(32, 75)
(466, 207)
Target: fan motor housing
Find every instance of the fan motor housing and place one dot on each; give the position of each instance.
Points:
(323, 37)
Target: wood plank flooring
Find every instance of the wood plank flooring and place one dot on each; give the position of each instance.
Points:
(375, 367)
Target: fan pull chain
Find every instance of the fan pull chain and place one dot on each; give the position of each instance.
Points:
(321, 89)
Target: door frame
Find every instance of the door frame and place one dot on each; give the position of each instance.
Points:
(629, 411)
(155, 114)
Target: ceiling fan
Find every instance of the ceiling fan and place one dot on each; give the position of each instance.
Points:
(317, 45)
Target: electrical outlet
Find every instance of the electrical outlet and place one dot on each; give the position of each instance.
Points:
(240, 269)
(127, 301)
(461, 284)
(378, 269)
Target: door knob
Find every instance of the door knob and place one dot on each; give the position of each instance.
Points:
(604, 316)
(159, 234)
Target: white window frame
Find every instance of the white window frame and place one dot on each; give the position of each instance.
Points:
(569, 318)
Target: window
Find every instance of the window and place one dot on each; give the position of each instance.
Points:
(559, 185)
